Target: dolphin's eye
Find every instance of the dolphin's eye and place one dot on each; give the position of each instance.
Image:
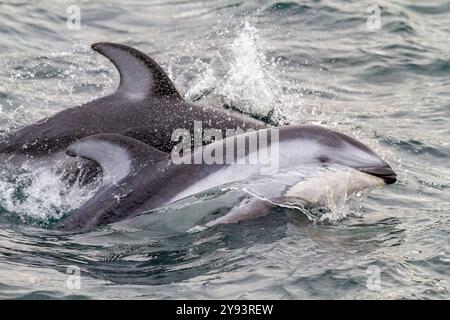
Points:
(323, 159)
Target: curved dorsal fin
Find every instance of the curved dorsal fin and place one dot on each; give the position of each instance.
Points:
(124, 162)
(118, 155)
(140, 76)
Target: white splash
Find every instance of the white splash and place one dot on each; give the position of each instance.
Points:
(333, 194)
(204, 84)
(41, 194)
(240, 73)
(323, 194)
(249, 79)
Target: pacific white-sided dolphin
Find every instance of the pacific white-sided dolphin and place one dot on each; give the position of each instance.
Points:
(137, 177)
(146, 106)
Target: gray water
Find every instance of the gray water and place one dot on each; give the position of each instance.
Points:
(309, 62)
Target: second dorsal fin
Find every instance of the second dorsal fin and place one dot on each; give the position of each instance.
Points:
(118, 156)
(125, 162)
(140, 76)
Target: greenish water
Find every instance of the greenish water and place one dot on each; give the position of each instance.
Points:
(311, 62)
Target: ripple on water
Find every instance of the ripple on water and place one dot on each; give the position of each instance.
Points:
(311, 62)
(417, 147)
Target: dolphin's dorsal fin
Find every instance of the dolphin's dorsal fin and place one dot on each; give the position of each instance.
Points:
(125, 163)
(117, 155)
(140, 76)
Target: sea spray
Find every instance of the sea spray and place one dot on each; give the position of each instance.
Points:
(41, 195)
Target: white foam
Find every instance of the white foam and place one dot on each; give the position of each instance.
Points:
(41, 194)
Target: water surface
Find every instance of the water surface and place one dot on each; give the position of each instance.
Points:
(309, 62)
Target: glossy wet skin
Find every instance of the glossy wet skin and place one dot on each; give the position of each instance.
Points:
(150, 180)
(337, 148)
(148, 110)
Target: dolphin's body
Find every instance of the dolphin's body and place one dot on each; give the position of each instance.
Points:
(146, 106)
(137, 177)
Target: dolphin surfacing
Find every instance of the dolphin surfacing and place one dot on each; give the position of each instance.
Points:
(145, 106)
(137, 177)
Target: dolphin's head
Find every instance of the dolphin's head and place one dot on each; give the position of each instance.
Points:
(327, 147)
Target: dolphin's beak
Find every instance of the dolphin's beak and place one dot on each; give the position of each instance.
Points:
(384, 172)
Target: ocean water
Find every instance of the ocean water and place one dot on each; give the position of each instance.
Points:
(376, 70)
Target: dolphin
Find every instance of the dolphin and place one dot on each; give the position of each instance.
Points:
(137, 177)
(146, 106)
